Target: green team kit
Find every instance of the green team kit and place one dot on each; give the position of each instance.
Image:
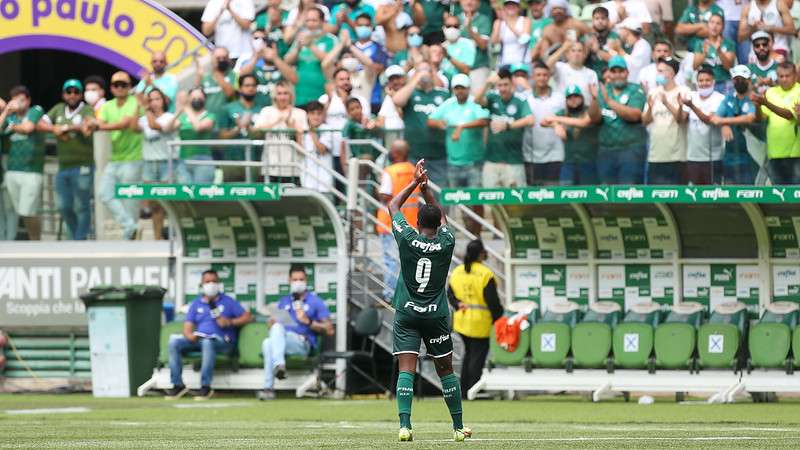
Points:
(420, 300)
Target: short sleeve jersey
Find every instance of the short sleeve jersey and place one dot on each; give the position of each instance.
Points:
(126, 145)
(713, 60)
(734, 106)
(424, 264)
(469, 149)
(616, 133)
(188, 133)
(215, 96)
(204, 321)
(26, 151)
(75, 149)
(693, 14)
(482, 25)
(506, 146)
(424, 142)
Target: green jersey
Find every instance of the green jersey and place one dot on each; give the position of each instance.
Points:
(424, 142)
(26, 151)
(481, 24)
(73, 149)
(215, 97)
(126, 144)
(354, 130)
(581, 143)
(693, 14)
(434, 15)
(506, 146)
(469, 148)
(311, 79)
(769, 72)
(594, 62)
(615, 133)
(713, 60)
(424, 264)
(229, 119)
(188, 133)
(537, 28)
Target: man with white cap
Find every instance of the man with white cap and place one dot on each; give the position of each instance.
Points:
(764, 69)
(630, 31)
(735, 113)
(564, 26)
(463, 121)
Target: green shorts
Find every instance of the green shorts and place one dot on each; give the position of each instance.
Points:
(409, 332)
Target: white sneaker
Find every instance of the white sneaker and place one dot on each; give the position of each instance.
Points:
(461, 434)
(405, 435)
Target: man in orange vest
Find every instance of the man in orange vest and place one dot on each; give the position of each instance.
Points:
(393, 180)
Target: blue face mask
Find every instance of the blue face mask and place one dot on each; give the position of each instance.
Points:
(661, 80)
(363, 32)
(414, 40)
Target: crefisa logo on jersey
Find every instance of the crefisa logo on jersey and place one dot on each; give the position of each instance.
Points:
(439, 339)
(421, 309)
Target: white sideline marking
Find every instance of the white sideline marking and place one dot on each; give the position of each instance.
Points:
(621, 438)
(76, 409)
(209, 405)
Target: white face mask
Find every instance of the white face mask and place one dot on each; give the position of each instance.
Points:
(258, 44)
(211, 290)
(91, 97)
(298, 287)
(452, 34)
(350, 64)
(705, 92)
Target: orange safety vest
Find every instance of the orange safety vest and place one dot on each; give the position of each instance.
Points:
(401, 174)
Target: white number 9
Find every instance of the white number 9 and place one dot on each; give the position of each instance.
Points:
(423, 274)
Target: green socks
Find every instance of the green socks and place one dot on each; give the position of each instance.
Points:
(451, 390)
(405, 394)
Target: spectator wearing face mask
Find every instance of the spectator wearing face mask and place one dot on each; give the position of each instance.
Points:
(344, 16)
(266, 63)
(70, 122)
(237, 122)
(666, 125)
(574, 126)
(308, 55)
(372, 58)
(210, 328)
(158, 78)
(460, 52)
(477, 27)
(219, 86)
(649, 73)
(418, 98)
(196, 122)
(228, 21)
(735, 114)
(705, 145)
(512, 31)
(413, 52)
(392, 19)
(94, 91)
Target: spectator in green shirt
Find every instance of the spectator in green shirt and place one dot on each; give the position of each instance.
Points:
(219, 86)
(460, 52)
(358, 126)
(24, 178)
(575, 127)
(195, 122)
(237, 122)
(267, 64)
(308, 54)
(8, 217)
(693, 24)
(434, 18)
(477, 26)
(717, 52)
(74, 183)
(622, 138)
(120, 116)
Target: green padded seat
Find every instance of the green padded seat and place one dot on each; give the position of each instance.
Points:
(591, 339)
(251, 336)
(502, 357)
(633, 338)
(551, 337)
(719, 341)
(771, 338)
(676, 338)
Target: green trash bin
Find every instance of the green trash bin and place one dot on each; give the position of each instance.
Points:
(124, 330)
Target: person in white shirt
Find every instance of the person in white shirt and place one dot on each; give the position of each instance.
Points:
(542, 149)
(640, 10)
(229, 21)
(666, 126)
(572, 72)
(282, 121)
(705, 145)
(630, 31)
(335, 110)
(389, 117)
(317, 175)
(647, 76)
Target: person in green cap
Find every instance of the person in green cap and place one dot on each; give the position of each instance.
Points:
(510, 114)
(120, 116)
(622, 152)
(574, 126)
(24, 179)
(74, 183)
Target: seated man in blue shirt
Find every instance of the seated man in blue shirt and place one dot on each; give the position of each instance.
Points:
(301, 317)
(210, 327)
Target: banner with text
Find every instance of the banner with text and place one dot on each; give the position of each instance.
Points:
(199, 192)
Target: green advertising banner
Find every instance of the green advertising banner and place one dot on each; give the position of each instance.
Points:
(199, 192)
(634, 237)
(546, 284)
(712, 284)
(218, 237)
(630, 284)
(621, 194)
(547, 238)
(298, 237)
(239, 280)
(321, 278)
(786, 283)
(784, 236)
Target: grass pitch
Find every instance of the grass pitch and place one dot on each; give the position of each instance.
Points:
(234, 421)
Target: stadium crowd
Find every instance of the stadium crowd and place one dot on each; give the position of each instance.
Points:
(490, 94)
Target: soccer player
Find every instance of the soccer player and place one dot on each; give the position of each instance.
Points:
(420, 302)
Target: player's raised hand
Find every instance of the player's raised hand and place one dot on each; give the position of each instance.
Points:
(420, 174)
